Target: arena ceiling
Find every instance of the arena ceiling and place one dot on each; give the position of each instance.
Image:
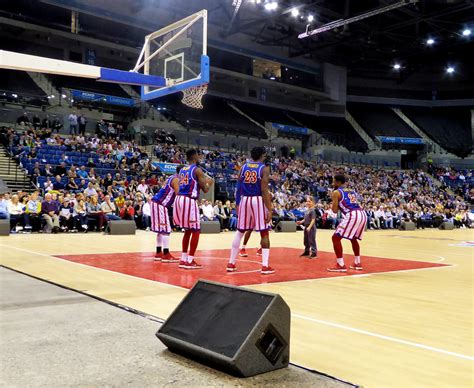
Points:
(368, 48)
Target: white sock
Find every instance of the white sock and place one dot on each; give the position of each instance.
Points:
(340, 261)
(158, 240)
(357, 259)
(190, 259)
(165, 240)
(243, 246)
(184, 256)
(265, 256)
(235, 247)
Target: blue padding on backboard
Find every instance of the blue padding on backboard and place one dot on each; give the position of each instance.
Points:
(203, 79)
(130, 77)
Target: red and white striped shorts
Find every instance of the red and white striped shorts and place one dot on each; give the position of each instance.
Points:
(252, 213)
(160, 221)
(186, 213)
(353, 225)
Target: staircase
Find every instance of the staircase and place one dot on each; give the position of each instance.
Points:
(267, 130)
(436, 147)
(364, 135)
(43, 82)
(12, 175)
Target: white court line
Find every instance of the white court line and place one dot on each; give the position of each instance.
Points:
(91, 266)
(414, 344)
(385, 337)
(348, 276)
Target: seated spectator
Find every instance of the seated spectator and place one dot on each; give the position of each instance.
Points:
(220, 214)
(16, 210)
(80, 211)
(58, 184)
(208, 211)
(127, 212)
(146, 217)
(109, 209)
(82, 173)
(95, 212)
(66, 216)
(143, 187)
(50, 211)
(90, 191)
(233, 218)
(3, 208)
(61, 169)
(32, 213)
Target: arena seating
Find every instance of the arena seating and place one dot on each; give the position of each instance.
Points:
(20, 83)
(217, 116)
(88, 85)
(450, 127)
(379, 120)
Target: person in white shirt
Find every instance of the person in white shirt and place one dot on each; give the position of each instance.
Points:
(72, 123)
(143, 187)
(208, 211)
(90, 191)
(146, 217)
(379, 217)
(16, 210)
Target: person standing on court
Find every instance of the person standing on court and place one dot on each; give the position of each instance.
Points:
(255, 207)
(309, 223)
(160, 222)
(351, 227)
(72, 118)
(186, 209)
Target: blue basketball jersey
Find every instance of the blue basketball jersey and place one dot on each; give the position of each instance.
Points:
(250, 179)
(349, 200)
(188, 184)
(166, 194)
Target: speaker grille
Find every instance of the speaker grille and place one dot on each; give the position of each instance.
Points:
(211, 319)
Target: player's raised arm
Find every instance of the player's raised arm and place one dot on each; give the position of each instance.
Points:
(203, 181)
(267, 199)
(336, 197)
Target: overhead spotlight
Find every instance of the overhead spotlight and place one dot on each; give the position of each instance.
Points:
(430, 41)
(310, 18)
(63, 96)
(466, 32)
(450, 70)
(295, 12)
(397, 66)
(271, 5)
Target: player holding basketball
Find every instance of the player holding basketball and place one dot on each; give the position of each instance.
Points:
(160, 222)
(186, 210)
(255, 207)
(352, 226)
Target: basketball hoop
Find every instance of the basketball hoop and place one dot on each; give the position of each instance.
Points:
(192, 97)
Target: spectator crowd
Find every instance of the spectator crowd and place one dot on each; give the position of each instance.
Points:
(116, 180)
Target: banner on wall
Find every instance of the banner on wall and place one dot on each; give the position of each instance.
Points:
(400, 140)
(166, 168)
(290, 129)
(81, 95)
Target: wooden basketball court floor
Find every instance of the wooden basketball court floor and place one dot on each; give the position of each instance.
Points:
(405, 321)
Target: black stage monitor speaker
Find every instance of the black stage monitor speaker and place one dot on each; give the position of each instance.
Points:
(238, 331)
(446, 226)
(286, 226)
(406, 225)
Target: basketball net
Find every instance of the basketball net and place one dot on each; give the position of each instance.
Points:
(192, 97)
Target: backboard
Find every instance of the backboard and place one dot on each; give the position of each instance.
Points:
(177, 53)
